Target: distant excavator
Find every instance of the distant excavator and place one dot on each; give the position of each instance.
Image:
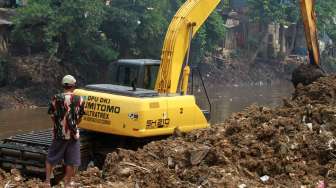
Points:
(308, 73)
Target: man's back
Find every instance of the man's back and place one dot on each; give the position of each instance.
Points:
(66, 110)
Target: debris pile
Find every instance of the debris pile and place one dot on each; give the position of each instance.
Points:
(14, 179)
(289, 146)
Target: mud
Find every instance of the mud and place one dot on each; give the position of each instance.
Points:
(306, 74)
(292, 145)
(32, 80)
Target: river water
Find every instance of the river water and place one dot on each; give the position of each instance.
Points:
(224, 101)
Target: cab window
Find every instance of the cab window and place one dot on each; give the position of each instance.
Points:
(150, 75)
(127, 75)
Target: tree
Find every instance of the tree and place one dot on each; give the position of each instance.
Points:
(283, 12)
(326, 17)
(209, 37)
(137, 28)
(67, 28)
(90, 30)
(286, 12)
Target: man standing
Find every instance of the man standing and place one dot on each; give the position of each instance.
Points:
(66, 110)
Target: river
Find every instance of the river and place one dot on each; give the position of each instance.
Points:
(224, 101)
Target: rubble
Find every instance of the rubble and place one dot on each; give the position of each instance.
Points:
(293, 145)
(257, 147)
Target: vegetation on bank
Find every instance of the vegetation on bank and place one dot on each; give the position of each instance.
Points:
(78, 31)
(93, 31)
(101, 31)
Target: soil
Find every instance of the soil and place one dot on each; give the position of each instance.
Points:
(31, 80)
(306, 74)
(242, 72)
(289, 146)
(292, 145)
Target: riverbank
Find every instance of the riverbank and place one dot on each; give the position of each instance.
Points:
(31, 81)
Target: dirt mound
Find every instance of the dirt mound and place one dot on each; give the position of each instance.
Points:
(306, 74)
(14, 179)
(321, 92)
(290, 145)
(32, 80)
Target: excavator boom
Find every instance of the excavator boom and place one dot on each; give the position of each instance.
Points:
(309, 22)
(192, 13)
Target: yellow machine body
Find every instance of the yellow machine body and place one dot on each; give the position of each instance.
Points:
(189, 18)
(119, 114)
(140, 116)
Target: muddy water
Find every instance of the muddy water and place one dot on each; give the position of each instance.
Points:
(18, 121)
(224, 100)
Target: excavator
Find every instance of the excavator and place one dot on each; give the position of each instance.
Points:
(145, 99)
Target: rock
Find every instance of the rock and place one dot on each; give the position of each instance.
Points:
(196, 156)
(264, 178)
(242, 186)
(170, 162)
(125, 172)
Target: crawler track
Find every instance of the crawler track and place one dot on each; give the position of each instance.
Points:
(27, 152)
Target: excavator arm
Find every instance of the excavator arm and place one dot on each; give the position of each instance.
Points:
(188, 19)
(309, 22)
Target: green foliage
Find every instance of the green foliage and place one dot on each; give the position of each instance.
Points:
(283, 12)
(69, 29)
(326, 17)
(287, 12)
(31, 24)
(208, 38)
(137, 28)
(82, 30)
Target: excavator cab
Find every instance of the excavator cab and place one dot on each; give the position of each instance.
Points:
(136, 73)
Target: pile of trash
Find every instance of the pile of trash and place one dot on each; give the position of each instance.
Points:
(14, 179)
(289, 146)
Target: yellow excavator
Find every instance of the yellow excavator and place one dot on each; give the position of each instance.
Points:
(145, 98)
(142, 111)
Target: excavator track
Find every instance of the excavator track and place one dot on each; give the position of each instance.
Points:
(27, 152)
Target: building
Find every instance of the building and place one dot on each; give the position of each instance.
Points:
(5, 26)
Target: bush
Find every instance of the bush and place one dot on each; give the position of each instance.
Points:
(68, 29)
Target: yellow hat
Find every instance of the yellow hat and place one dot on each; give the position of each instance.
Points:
(68, 80)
